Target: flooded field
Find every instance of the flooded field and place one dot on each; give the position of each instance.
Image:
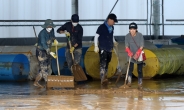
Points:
(160, 94)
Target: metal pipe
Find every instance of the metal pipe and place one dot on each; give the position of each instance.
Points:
(81, 20)
(150, 16)
(174, 20)
(83, 25)
(147, 20)
(113, 6)
(162, 19)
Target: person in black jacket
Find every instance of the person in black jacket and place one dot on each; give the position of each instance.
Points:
(104, 42)
(75, 31)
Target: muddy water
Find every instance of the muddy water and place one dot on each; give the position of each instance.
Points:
(165, 94)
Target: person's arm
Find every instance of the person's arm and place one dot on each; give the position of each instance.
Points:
(62, 29)
(114, 39)
(126, 42)
(54, 37)
(79, 37)
(141, 42)
(138, 52)
(53, 34)
(43, 41)
(127, 49)
(97, 35)
(96, 39)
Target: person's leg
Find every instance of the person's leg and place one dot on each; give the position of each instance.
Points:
(44, 70)
(77, 55)
(49, 65)
(140, 75)
(109, 56)
(103, 62)
(131, 67)
(42, 58)
(69, 59)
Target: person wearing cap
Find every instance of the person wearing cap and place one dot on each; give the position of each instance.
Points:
(45, 39)
(73, 30)
(104, 42)
(134, 43)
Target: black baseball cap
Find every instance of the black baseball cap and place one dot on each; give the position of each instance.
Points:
(133, 25)
(113, 17)
(75, 18)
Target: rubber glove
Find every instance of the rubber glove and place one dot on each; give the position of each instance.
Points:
(96, 49)
(137, 54)
(53, 55)
(67, 34)
(55, 42)
(129, 52)
(115, 44)
(72, 49)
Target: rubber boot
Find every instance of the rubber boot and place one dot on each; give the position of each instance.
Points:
(104, 80)
(38, 78)
(129, 81)
(140, 84)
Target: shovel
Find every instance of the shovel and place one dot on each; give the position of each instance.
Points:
(59, 81)
(119, 68)
(35, 36)
(124, 86)
(77, 70)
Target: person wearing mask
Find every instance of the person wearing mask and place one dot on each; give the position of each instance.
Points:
(73, 30)
(45, 39)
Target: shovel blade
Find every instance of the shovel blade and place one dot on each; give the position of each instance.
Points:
(78, 72)
(60, 81)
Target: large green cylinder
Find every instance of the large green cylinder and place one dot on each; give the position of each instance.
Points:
(162, 61)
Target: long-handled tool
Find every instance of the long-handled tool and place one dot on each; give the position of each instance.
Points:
(119, 70)
(124, 86)
(77, 70)
(60, 81)
(35, 36)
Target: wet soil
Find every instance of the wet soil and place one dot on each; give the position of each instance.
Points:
(161, 94)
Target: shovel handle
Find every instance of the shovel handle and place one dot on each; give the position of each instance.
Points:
(70, 45)
(70, 48)
(35, 33)
(127, 70)
(57, 61)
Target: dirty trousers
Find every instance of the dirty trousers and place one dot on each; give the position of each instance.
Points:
(77, 56)
(139, 70)
(44, 63)
(105, 58)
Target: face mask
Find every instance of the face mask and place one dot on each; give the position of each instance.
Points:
(74, 24)
(48, 29)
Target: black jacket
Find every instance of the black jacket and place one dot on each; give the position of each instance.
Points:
(105, 39)
(76, 33)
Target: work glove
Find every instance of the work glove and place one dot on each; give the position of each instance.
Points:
(72, 49)
(96, 49)
(115, 44)
(48, 51)
(129, 52)
(137, 54)
(67, 34)
(55, 42)
(53, 55)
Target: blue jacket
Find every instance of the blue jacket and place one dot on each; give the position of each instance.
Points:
(45, 39)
